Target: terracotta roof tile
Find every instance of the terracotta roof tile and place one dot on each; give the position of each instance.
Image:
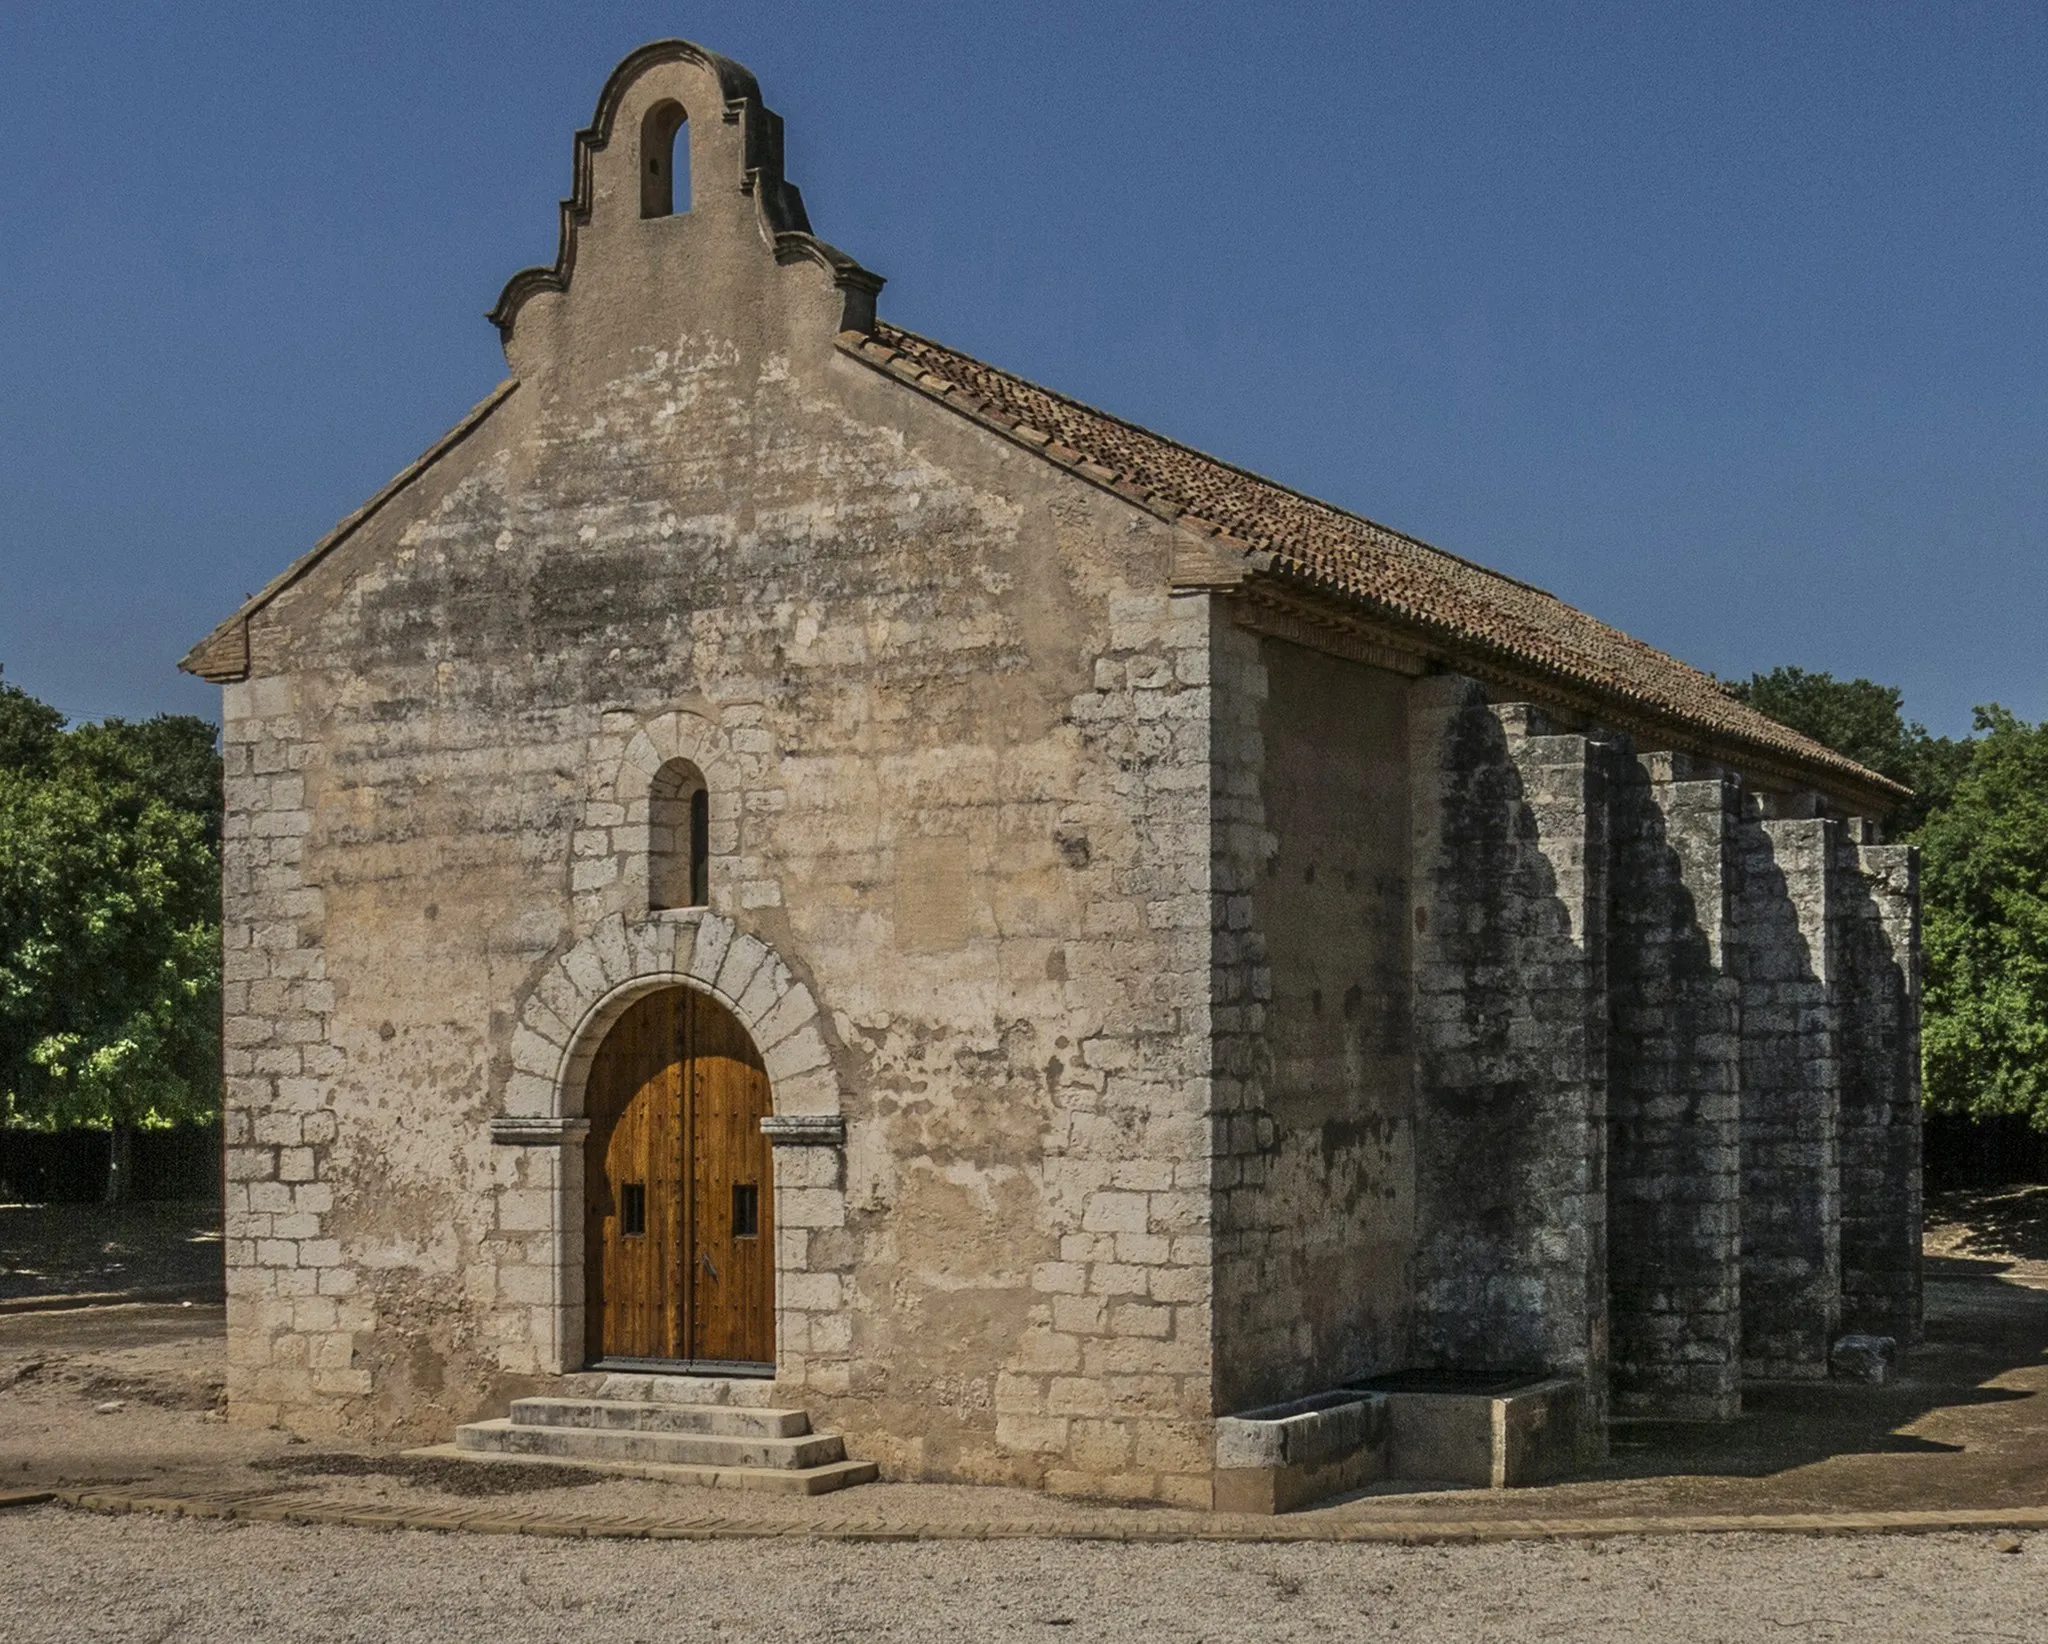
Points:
(1398, 578)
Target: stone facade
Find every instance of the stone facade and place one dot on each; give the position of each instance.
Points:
(1787, 968)
(1510, 1007)
(1178, 996)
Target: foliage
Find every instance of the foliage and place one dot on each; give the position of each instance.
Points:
(1984, 891)
(1980, 815)
(171, 757)
(109, 919)
(29, 730)
(1867, 722)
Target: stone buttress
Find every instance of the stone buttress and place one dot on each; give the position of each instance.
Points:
(1666, 1066)
(1510, 919)
(1190, 969)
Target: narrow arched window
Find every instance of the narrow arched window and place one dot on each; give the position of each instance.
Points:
(664, 161)
(678, 838)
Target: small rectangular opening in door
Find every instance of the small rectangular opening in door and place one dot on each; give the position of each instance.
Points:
(633, 1209)
(746, 1211)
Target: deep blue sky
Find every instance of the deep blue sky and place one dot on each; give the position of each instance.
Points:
(1726, 321)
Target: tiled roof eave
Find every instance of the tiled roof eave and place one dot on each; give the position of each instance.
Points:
(1616, 708)
(1525, 667)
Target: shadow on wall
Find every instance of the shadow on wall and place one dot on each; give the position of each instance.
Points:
(1637, 1056)
(1674, 1098)
(1511, 1030)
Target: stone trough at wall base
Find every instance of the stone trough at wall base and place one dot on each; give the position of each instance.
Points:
(1490, 1434)
(1420, 1426)
(1287, 1455)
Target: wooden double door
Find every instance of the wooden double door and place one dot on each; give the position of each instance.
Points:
(679, 1235)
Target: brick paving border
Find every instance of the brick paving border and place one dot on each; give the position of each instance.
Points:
(289, 1507)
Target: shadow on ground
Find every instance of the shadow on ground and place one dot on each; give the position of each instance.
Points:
(104, 1393)
(2010, 1223)
(1965, 1424)
(123, 1250)
(1979, 1331)
(452, 1477)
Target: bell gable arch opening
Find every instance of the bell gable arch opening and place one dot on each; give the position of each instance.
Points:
(665, 160)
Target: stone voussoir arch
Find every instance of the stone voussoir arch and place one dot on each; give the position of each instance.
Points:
(567, 1013)
(609, 850)
(678, 734)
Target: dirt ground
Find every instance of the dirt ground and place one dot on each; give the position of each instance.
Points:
(130, 1392)
(68, 1249)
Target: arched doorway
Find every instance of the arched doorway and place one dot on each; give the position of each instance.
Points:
(679, 1237)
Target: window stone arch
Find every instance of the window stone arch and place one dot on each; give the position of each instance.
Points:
(609, 848)
(678, 842)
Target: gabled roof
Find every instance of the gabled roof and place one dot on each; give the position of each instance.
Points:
(1452, 610)
(223, 655)
(1444, 608)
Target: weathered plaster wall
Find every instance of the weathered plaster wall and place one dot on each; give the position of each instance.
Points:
(966, 731)
(1315, 1137)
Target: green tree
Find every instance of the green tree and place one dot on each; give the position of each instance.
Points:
(1984, 888)
(1866, 721)
(29, 730)
(171, 757)
(109, 923)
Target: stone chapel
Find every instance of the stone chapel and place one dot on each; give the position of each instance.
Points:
(781, 867)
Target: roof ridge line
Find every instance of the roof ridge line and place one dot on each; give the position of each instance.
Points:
(1788, 753)
(351, 522)
(1238, 469)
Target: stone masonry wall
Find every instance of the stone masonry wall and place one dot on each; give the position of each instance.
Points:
(1180, 1019)
(1633, 981)
(1782, 953)
(1314, 1172)
(965, 810)
(1674, 1097)
(293, 1303)
(1877, 897)
(1510, 908)
(1108, 1387)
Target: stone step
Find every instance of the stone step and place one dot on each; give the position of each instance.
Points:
(790, 1481)
(647, 1416)
(749, 1391)
(599, 1444)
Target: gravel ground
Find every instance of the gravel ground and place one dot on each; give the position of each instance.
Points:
(75, 1576)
